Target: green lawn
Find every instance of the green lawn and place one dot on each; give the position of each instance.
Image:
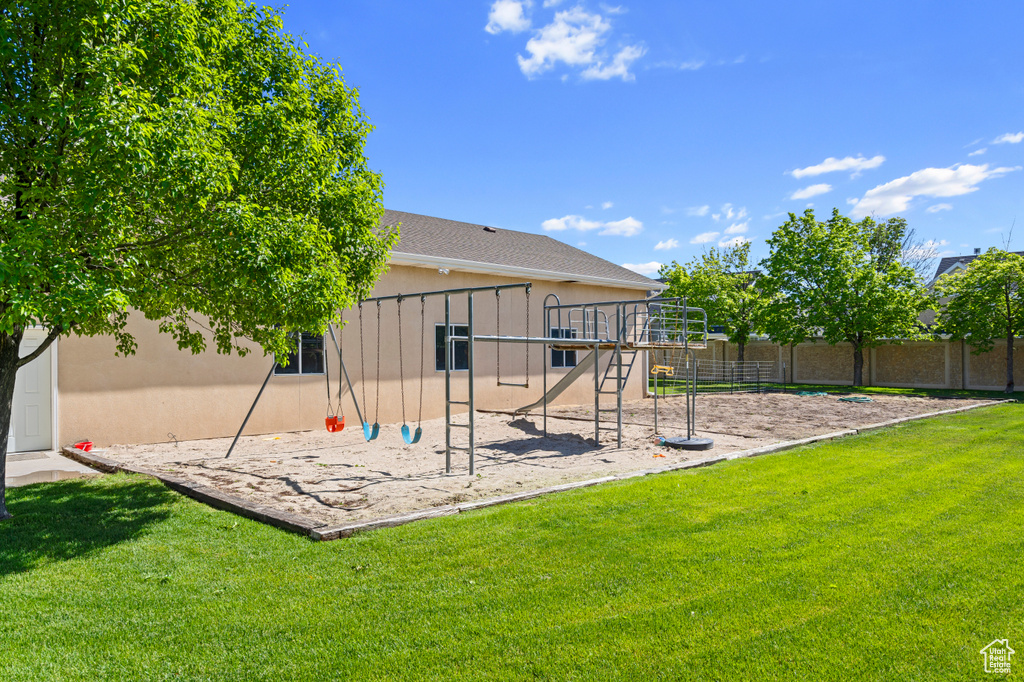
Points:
(674, 386)
(891, 556)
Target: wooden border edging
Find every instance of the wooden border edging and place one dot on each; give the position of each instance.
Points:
(317, 531)
(203, 493)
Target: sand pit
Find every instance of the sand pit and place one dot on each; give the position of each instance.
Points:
(336, 479)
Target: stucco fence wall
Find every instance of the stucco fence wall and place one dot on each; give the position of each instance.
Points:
(912, 364)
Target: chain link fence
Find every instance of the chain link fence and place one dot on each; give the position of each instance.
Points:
(718, 376)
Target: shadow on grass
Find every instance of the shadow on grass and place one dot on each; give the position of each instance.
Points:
(70, 519)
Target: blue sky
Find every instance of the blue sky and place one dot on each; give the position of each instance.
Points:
(645, 132)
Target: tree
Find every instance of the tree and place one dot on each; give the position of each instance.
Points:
(723, 284)
(182, 158)
(985, 301)
(842, 280)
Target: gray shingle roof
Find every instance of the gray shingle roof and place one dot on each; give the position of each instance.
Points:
(947, 263)
(426, 236)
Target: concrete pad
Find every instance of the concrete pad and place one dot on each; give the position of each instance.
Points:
(25, 468)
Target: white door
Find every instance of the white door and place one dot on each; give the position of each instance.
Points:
(31, 418)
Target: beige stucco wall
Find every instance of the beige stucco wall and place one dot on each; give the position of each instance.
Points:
(915, 364)
(820, 363)
(912, 364)
(162, 391)
(987, 371)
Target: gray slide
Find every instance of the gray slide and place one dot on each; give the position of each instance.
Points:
(586, 363)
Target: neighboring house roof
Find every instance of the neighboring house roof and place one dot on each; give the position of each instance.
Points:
(951, 263)
(436, 242)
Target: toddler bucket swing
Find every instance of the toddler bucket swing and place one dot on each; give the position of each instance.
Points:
(334, 422)
(407, 435)
(369, 432)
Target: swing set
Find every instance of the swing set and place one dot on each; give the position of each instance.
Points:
(639, 326)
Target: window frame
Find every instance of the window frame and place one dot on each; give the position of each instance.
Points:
(560, 333)
(295, 359)
(456, 345)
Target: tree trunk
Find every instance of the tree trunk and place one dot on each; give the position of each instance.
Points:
(739, 351)
(858, 366)
(9, 345)
(1009, 362)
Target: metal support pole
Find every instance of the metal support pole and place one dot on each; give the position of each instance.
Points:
(544, 364)
(618, 396)
(447, 383)
(249, 414)
(469, 303)
(656, 404)
(597, 396)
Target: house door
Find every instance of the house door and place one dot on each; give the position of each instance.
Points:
(31, 418)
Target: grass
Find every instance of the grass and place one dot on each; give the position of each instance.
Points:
(672, 387)
(893, 555)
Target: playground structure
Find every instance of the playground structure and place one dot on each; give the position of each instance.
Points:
(627, 329)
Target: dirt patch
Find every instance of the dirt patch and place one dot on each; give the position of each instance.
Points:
(340, 478)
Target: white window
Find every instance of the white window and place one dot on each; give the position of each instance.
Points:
(460, 347)
(563, 358)
(308, 357)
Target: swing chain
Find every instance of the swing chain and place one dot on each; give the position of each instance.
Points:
(497, 316)
(362, 355)
(376, 410)
(527, 382)
(423, 316)
(327, 377)
(401, 365)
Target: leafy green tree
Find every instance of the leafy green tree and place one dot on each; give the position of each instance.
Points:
(724, 285)
(182, 158)
(985, 302)
(842, 280)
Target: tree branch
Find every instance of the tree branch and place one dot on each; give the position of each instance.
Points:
(50, 338)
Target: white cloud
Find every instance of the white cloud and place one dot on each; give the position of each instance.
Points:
(729, 213)
(627, 227)
(929, 249)
(831, 165)
(730, 243)
(645, 269)
(698, 210)
(575, 38)
(666, 245)
(939, 207)
(1011, 138)
(692, 65)
(894, 197)
(811, 191)
(552, 3)
(508, 15)
(978, 152)
(619, 68)
(606, 205)
(705, 237)
(738, 228)
(569, 222)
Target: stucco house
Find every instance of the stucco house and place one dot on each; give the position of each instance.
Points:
(81, 390)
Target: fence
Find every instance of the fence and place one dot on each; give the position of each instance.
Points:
(720, 376)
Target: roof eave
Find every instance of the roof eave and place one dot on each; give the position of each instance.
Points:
(416, 259)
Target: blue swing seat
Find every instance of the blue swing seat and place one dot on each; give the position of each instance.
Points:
(411, 438)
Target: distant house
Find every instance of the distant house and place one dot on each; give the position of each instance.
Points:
(80, 390)
(951, 264)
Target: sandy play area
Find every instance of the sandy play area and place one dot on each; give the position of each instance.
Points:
(340, 478)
